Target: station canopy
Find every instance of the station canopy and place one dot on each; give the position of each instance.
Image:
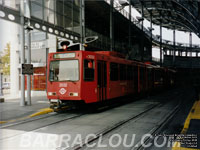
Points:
(182, 15)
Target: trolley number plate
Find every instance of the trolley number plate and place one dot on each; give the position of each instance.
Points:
(54, 100)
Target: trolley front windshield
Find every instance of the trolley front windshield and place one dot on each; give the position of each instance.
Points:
(64, 70)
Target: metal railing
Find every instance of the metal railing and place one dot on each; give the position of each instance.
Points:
(103, 41)
(155, 38)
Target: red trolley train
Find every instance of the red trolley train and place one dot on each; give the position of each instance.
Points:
(90, 77)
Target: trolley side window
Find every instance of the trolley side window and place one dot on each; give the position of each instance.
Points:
(129, 72)
(114, 70)
(88, 70)
(150, 79)
(135, 76)
(122, 72)
(142, 76)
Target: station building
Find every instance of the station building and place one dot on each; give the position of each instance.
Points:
(59, 13)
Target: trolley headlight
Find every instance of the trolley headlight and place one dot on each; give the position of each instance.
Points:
(51, 93)
(73, 94)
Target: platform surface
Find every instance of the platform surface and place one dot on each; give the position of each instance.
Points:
(11, 111)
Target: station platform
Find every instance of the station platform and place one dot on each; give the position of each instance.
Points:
(190, 134)
(11, 111)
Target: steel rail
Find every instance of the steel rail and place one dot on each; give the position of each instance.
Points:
(163, 122)
(69, 118)
(115, 126)
(26, 121)
(123, 122)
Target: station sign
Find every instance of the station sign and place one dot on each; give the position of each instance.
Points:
(38, 45)
(27, 69)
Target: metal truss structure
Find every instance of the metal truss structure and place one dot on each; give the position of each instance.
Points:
(182, 15)
(14, 16)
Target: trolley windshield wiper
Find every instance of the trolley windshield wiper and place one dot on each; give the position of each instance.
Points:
(70, 80)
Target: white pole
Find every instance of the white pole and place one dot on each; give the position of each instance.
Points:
(22, 102)
(27, 14)
(29, 76)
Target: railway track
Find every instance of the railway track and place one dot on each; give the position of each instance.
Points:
(7, 126)
(115, 126)
(53, 114)
(37, 128)
(162, 125)
(26, 121)
(139, 146)
(157, 129)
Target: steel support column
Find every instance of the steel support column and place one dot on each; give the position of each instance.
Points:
(142, 53)
(161, 43)
(111, 25)
(174, 44)
(151, 29)
(129, 32)
(82, 24)
(22, 102)
(190, 42)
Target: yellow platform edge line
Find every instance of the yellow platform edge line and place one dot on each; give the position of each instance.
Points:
(187, 121)
(1, 122)
(40, 112)
(190, 116)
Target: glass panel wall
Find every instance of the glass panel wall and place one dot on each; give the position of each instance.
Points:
(76, 15)
(63, 13)
(36, 10)
(68, 13)
(14, 4)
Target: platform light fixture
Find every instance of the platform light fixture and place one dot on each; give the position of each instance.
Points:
(166, 41)
(90, 39)
(179, 44)
(65, 45)
(139, 18)
(123, 3)
(28, 26)
(150, 29)
(158, 36)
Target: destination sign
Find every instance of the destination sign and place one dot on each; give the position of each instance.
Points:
(64, 55)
